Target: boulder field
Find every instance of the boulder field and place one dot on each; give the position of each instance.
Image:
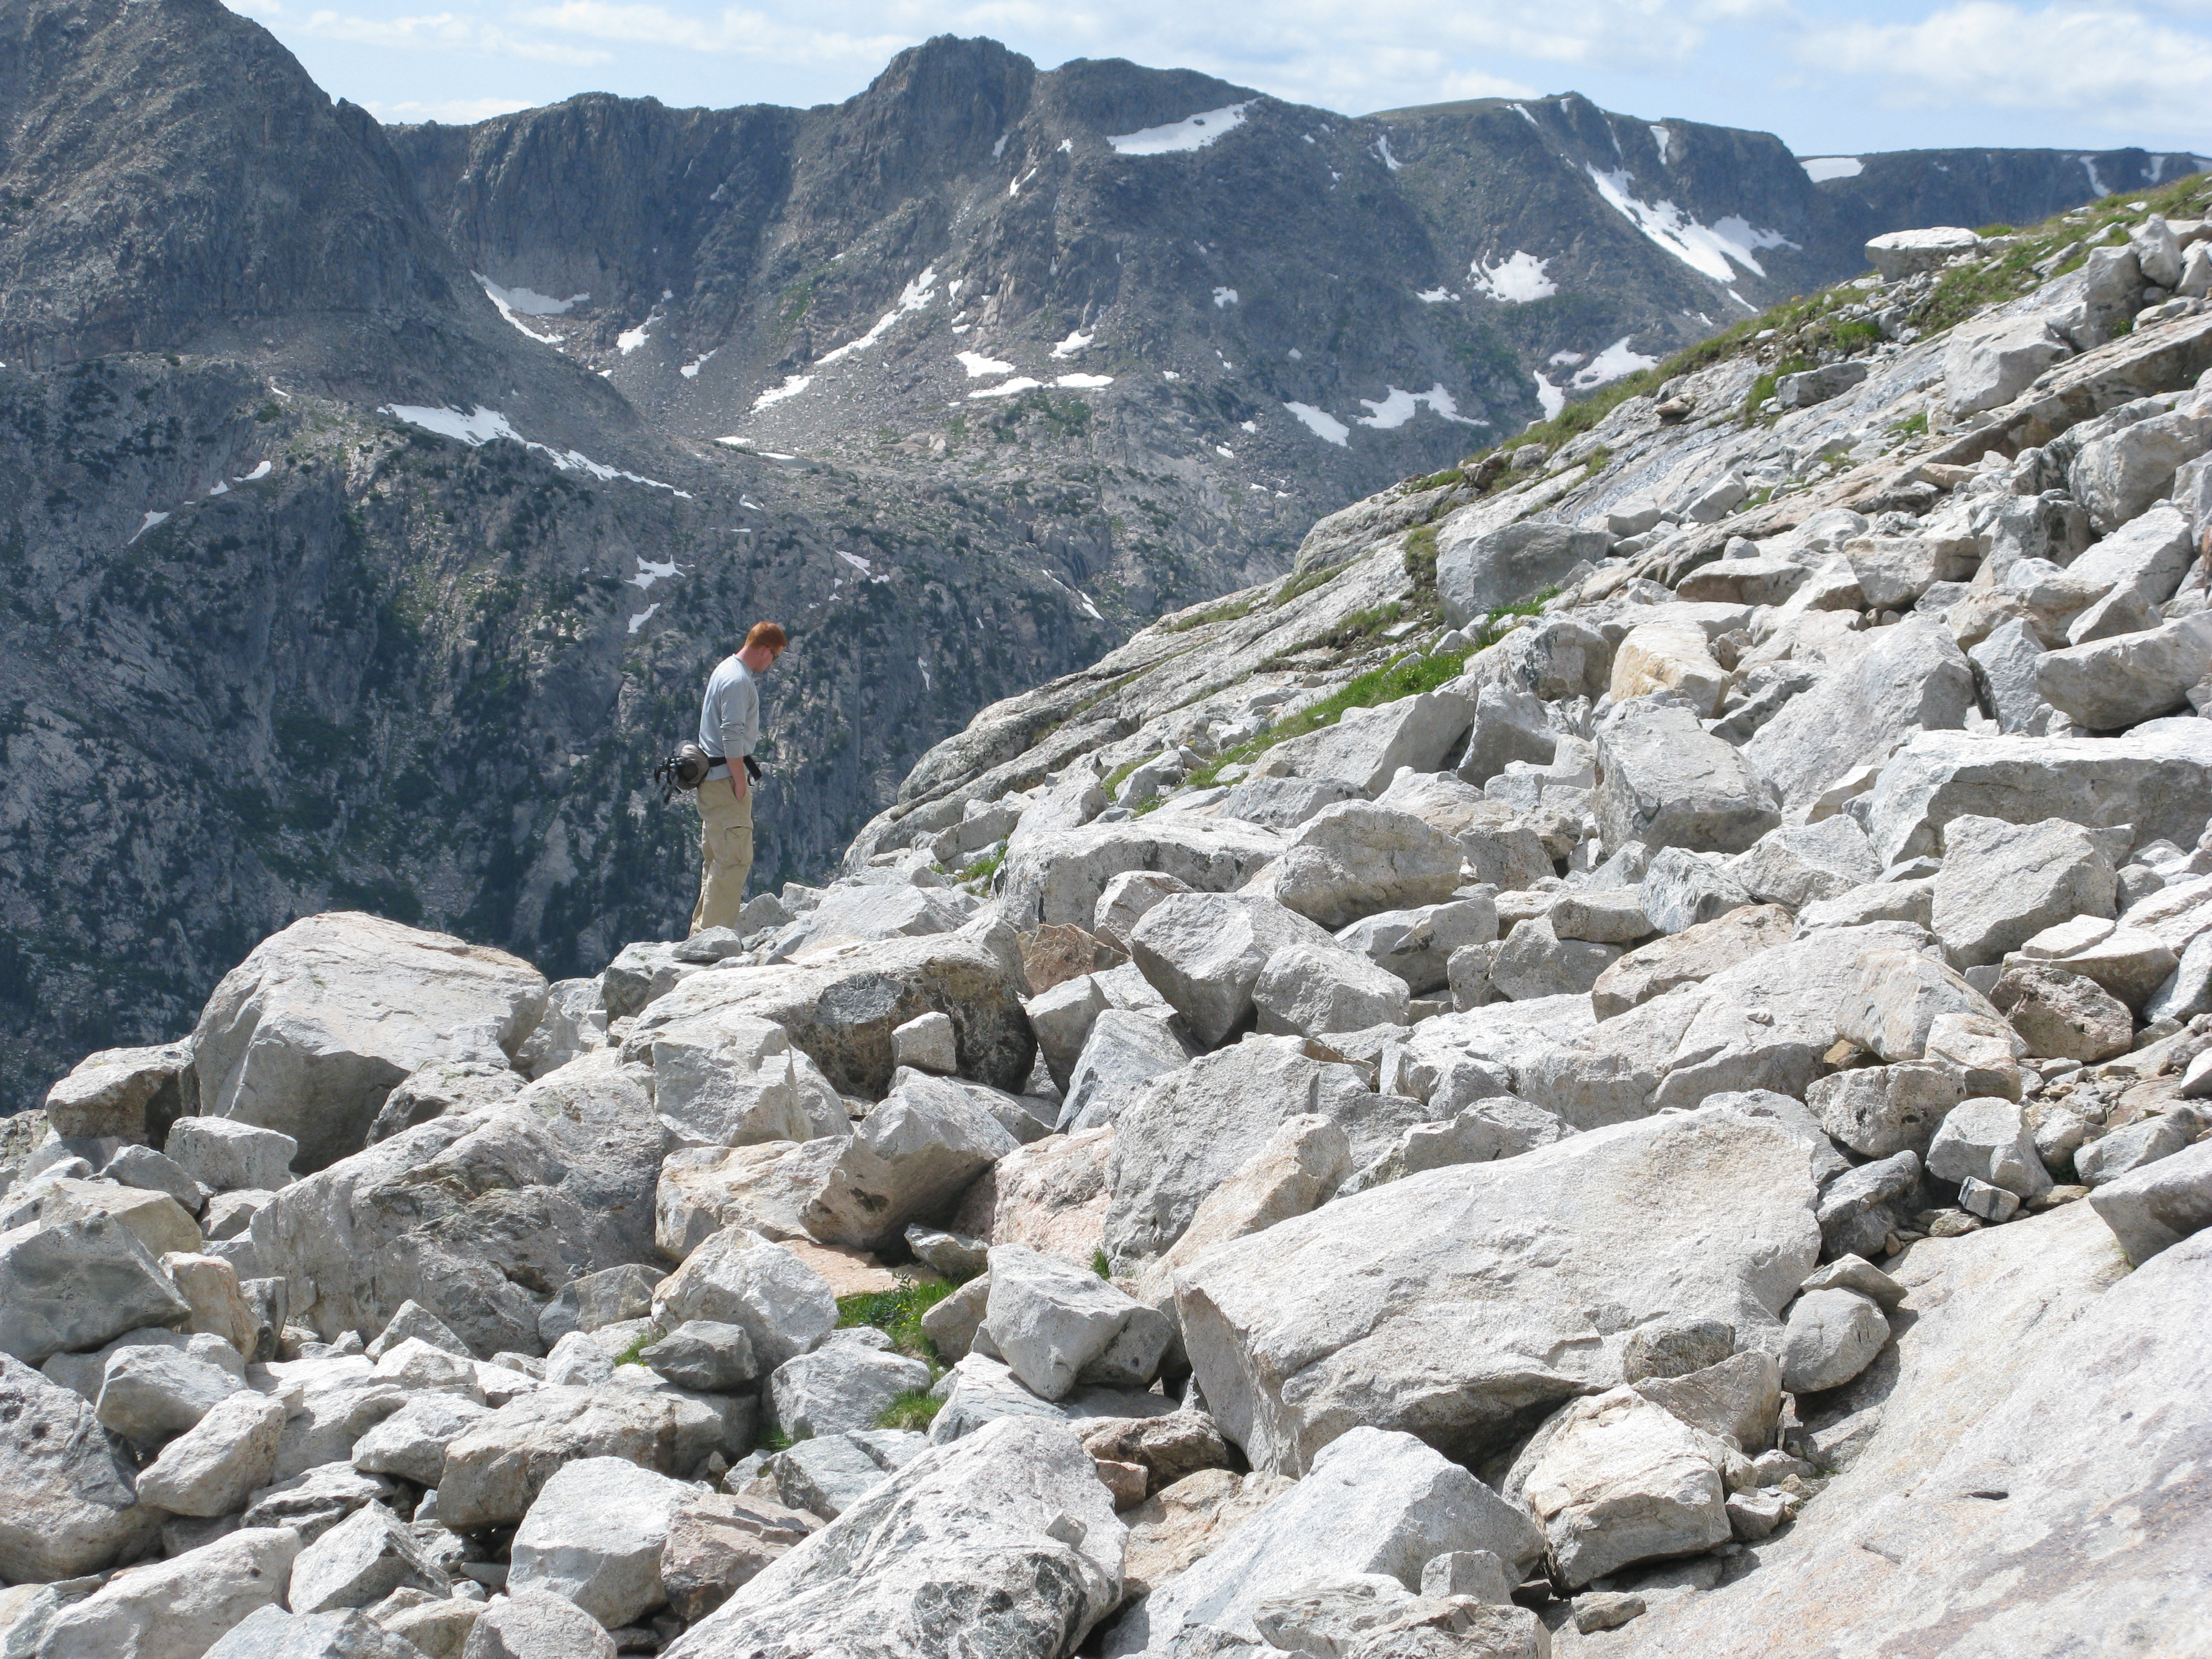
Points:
(1622, 1073)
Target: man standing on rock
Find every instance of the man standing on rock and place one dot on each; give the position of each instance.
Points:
(729, 729)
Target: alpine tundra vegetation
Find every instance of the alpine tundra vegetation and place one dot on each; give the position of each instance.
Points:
(1614, 1060)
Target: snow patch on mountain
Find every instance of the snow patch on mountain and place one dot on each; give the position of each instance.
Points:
(792, 386)
(1321, 424)
(914, 297)
(1515, 280)
(482, 426)
(1611, 364)
(1192, 132)
(1705, 248)
(1821, 168)
(1396, 407)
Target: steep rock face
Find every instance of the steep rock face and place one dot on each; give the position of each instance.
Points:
(1086, 279)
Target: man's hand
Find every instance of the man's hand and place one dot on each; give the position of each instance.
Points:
(739, 781)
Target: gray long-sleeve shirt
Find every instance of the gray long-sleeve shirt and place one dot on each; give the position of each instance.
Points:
(729, 718)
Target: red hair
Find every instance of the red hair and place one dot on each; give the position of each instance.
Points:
(766, 636)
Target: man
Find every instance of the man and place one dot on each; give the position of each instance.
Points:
(729, 726)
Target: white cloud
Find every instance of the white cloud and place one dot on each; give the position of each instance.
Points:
(452, 111)
(2111, 62)
(444, 32)
(731, 32)
(1830, 79)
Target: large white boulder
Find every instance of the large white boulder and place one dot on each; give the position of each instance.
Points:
(495, 1471)
(1193, 1129)
(1004, 1541)
(2001, 883)
(1367, 747)
(1058, 1325)
(737, 1278)
(909, 1160)
(227, 1156)
(124, 1094)
(594, 1535)
(536, 1624)
(841, 1006)
(1125, 1050)
(71, 1504)
(1060, 878)
(2118, 476)
(1614, 1479)
(2124, 679)
(1481, 569)
(1991, 363)
(1374, 1501)
(841, 1387)
(1503, 847)
(2159, 781)
(1911, 676)
(1353, 1315)
(2155, 1206)
(1663, 781)
(215, 1465)
(1358, 857)
(865, 914)
(314, 1028)
(1900, 253)
(74, 1285)
(464, 1213)
(1310, 991)
(1203, 952)
(180, 1607)
(359, 1562)
(728, 1078)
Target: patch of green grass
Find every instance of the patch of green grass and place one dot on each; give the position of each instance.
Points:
(914, 1410)
(897, 1313)
(1421, 558)
(1763, 387)
(1409, 677)
(1115, 779)
(775, 1440)
(1501, 621)
(1293, 586)
(1450, 475)
(1913, 426)
(1361, 623)
(1228, 611)
(645, 1339)
(983, 869)
(1100, 1266)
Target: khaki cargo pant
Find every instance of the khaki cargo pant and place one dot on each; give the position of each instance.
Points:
(725, 853)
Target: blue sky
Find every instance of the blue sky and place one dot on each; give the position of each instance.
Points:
(1889, 75)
